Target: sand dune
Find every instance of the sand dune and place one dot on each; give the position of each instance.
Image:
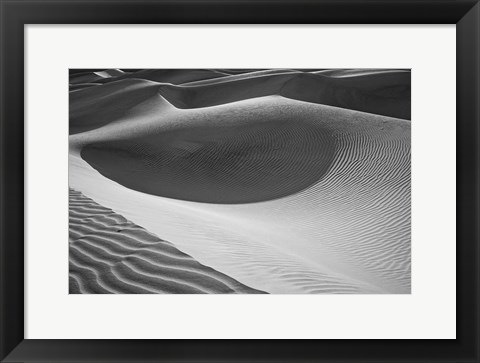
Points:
(173, 76)
(84, 77)
(240, 76)
(232, 71)
(357, 72)
(79, 86)
(242, 243)
(256, 175)
(107, 73)
(95, 76)
(383, 93)
(109, 254)
(93, 107)
(237, 154)
(370, 93)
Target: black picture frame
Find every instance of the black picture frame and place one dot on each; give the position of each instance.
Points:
(17, 13)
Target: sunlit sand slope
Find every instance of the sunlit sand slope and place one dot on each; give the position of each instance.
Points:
(109, 254)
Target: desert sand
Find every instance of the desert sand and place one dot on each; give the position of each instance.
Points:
(278, 181)
(109, 254)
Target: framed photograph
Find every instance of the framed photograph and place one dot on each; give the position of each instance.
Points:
(240, 181)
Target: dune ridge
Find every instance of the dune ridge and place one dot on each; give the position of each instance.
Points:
(383, 93)
(173, 76)
(109, 254)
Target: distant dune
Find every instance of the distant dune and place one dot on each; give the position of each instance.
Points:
(174, 76)
(95, 76)
(359, 72)
(382, 93)
(78, 86)
(286, 181)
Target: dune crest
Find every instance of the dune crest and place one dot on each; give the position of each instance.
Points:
(113, 255)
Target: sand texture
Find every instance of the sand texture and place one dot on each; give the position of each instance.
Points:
(283, 181)
(109, 254)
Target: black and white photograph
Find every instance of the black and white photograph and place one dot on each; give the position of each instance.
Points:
(239, 181)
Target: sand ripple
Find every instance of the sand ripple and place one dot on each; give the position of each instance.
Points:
(264, 159)
(109, 254)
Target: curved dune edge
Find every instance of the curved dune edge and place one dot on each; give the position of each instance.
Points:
(347, 233)
(109, 254)
(245, 152)
(267, 157)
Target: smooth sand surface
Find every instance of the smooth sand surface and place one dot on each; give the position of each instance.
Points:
(109, 254)
(280, 194)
